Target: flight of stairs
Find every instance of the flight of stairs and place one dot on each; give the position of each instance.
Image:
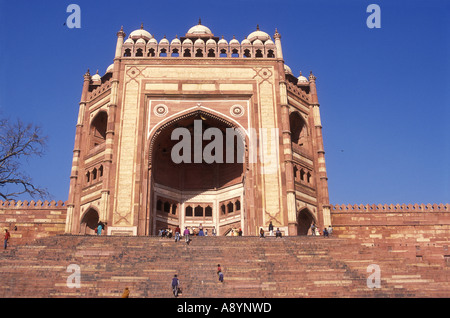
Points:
(253, 267)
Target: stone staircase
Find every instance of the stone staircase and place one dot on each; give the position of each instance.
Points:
(289, 267)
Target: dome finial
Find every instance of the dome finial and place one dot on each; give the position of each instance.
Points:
(257, 27)
(142, 26)
(199, 21)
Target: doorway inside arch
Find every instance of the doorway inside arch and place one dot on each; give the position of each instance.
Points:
(304, 220)
(89, 222)
(191, 192)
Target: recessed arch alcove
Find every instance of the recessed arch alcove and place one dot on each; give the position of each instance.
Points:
(194, 168)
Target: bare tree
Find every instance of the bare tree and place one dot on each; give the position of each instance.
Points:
(19, 142)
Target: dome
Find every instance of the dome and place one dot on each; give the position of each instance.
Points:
(211, 42)
(199, 30)
(234, 41)
(287, 69)
(258, 35)
(164, 41)
(96, 77)
(257, 42)
(129, 41)
(187, 42)
(222, 41)
(152, 41)
(302, 79)
(140, 34)
(269, 42)
(140, 41)
(110, 69)
(175, 41)
(246, 42)
(199, 42)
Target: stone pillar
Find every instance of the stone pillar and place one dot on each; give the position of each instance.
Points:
(321, 178)
(71, 223)
(289, 168)
(277, 38)
(105, 209)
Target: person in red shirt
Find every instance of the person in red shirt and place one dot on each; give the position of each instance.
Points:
(177, 233)
(7, 236)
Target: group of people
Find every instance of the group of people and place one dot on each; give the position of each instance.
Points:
(168, 233)
(271, 232)
(325, 232)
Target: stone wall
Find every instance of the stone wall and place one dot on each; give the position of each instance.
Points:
(425, 228)
(27, 221)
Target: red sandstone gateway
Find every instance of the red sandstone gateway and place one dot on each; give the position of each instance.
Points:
(123, 173)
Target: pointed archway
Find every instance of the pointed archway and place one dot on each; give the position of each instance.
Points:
(190, 191)
(89, 222)
(304, 220)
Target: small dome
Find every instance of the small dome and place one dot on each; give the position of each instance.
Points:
(140, 34)
(110, 69)
(302, 79)
(211, 42)
(234, 41)
(140, 41)
(222, 41)
(258, 35)
(129, 41)
(187, 42)
(246, 42)
(269, 42)
(199, 30)
(175, 41)
(152, 41)
(287, 69)
(199, 42)
(257, 42)
(164, 41)
(96, 77)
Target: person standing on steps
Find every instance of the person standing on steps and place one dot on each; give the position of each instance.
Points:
(177, 233)
(7, 236)
(99, 229)
(186, 235)
(313, 229)
(271, 228)
(220, 273)
(175, 284)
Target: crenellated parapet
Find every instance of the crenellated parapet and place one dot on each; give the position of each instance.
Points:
(12, 204)
(391, 208)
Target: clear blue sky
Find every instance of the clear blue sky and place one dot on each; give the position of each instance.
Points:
(384, 93)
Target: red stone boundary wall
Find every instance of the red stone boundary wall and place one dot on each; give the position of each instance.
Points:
(421, 231)
(32, 219)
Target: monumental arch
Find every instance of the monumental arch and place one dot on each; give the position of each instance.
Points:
(123, 172)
